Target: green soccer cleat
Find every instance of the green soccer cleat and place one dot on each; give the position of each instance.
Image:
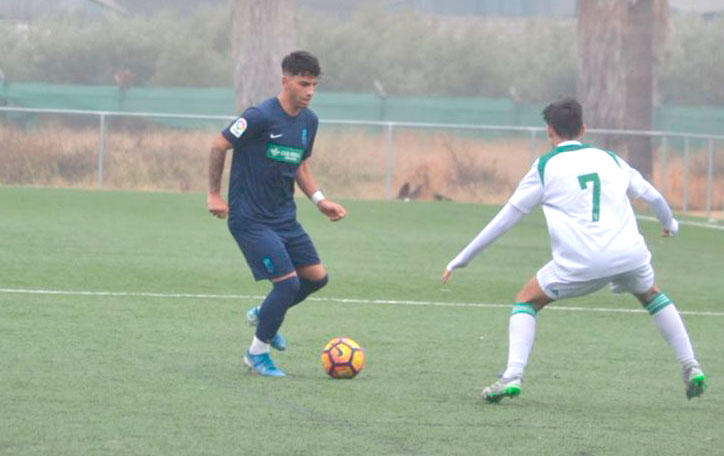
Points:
(695, 381)
(505, 387)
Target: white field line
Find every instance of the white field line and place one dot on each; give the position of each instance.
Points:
(331, 299)
(712, 226)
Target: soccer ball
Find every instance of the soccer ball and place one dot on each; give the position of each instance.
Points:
(342, 357)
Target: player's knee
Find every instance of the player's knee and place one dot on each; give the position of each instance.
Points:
(312, 286)
(319, 284)
(654, 302)
(647, 297)
(281, 297)
(288, 287)
(538, 300)
(533, 294)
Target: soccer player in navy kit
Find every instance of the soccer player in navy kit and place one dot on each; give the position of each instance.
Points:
(272, 143)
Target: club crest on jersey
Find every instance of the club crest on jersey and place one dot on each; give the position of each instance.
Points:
(305, 136)
(237, 128)
(269, 265)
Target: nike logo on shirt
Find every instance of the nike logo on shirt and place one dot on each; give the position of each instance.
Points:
(273, 136)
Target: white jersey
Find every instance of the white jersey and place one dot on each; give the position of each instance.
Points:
(585, 194)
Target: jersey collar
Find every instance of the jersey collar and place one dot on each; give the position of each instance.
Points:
(569, 142)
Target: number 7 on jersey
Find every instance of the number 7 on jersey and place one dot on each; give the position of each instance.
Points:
(584, 180)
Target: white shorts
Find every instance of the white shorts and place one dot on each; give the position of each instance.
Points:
(637, 281)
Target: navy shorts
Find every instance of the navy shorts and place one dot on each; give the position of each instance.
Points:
(274, 252)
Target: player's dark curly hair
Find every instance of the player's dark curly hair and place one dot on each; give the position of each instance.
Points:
(301, 63)
(565, 116)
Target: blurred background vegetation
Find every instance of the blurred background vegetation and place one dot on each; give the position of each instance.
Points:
(528, 60)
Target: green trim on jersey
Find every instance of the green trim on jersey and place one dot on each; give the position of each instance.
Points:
(614, 156)
(567, 148)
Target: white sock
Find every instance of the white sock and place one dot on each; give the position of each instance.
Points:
(521, 336)
(258, 347)
(672, 328)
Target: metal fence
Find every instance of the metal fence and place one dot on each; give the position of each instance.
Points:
(695, 154)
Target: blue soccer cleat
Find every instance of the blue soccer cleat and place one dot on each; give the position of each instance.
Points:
(252, 316)
(278, 342)
(263, 365)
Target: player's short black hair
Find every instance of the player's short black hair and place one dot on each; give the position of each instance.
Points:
(301, 63)
(565, 116)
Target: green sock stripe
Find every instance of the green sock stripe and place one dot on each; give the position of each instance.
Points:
(523, 307)
(659, 302)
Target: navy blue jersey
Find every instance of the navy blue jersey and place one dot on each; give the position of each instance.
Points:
(269, 145)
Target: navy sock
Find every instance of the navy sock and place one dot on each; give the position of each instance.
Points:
(308, 287)
(274, 307)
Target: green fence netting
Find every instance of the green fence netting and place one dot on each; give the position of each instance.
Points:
(219, 101)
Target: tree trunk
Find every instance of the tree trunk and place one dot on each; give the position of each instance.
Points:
(262, 33)
(602, 76)
(638, 59)
(618, 44)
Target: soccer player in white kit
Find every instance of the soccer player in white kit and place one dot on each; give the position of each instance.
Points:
(595, 241)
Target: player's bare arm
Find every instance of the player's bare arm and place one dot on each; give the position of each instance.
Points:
(217, 156)
(306, 181)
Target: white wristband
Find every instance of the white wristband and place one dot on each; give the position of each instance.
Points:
(317, 197)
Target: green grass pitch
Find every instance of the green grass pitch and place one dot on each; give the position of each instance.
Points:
(128, 338)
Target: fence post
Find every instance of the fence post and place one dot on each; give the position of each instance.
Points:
(664, 166)
(533, 138)
(685, 202)
(101, 149)
(710, 180)
(390, 159)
